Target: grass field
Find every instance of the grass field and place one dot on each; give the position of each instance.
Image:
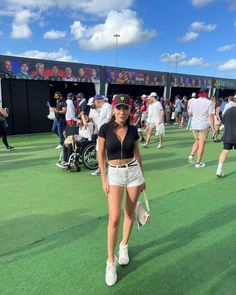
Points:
(53, 224)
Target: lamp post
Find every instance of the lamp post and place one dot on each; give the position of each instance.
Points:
(116, 36)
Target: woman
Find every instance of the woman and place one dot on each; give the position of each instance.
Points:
(217, 118)
(119, 141)
(3, 126)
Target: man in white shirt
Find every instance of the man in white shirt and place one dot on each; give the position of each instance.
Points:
(202, 112)
(104, 116)
(70, 111)
(155, 119)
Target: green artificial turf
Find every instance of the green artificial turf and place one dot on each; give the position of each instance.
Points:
(53, 224)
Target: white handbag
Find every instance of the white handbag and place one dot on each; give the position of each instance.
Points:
(51, 115)
(142, 215)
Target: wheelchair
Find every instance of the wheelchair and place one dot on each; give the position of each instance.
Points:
(84, 152)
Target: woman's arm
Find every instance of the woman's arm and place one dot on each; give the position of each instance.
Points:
(102, 163)
(218, 114)
(3, 112)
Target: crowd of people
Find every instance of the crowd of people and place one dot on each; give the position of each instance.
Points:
(118, 127)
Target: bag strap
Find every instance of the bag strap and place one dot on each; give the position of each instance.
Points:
(146, 200)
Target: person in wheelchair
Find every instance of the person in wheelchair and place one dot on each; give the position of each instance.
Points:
(77, 137)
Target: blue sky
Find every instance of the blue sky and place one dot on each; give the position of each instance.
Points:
(198, 34)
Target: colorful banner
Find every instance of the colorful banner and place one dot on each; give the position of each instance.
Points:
(190, 81)
(222, 83)
(22, 69)
(114, 76)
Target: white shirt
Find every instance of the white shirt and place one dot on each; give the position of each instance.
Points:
(154, 112)
(105, 114)
(190, 102)
(70, 110)
(86, 132)
(94, 115)
(200, 109)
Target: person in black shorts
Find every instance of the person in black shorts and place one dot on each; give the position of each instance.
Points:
(229, 137)
(118, 141)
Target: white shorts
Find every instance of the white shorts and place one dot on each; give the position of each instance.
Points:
(128, 176)
(160, 130)
(144, 117)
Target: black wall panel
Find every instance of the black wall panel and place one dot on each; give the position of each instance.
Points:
(6, 103)
(19, 106)
(38, 94)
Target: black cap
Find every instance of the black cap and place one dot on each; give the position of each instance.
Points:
(70, 95)
(121, 99)
(57, 94)
(80, 95)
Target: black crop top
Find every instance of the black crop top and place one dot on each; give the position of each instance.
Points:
(115, 148)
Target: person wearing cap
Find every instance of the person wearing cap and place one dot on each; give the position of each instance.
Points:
(229, 137)
(118, 139)
(144, 110)
(202, 112)
(59, 122)
(193, 97)
(70, 110)
(81, 108)
(93, 114)
(155, 120)
(105, 113)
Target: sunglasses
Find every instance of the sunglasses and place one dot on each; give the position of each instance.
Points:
(124, 107)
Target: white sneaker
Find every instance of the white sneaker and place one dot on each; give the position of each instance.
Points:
(145, 145)
(190, 159)
(59, 147)
(111, 276)
(62, 165)
(200, 165)
(159, 146)
(96, 172)
(123, 255)
(219, 173)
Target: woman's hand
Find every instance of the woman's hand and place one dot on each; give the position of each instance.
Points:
(106, 188)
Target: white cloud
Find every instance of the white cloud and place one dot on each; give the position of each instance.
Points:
(201, 26)
(169, 58)
(226, 47)
(101, 36)
(235, 24)
(94, 7)
(201, 3)
(54, 35)
(194, 61)
(182, 59)
(232, 5)
(77, 30)
(197, 27)
(20, 28)
(60, 55)
(229, 65)
(189, 36)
